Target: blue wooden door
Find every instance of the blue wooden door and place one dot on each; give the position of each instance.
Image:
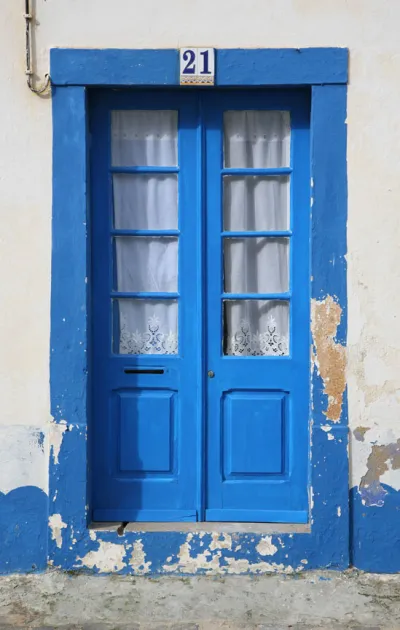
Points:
(258, 201)
(146, 316)
(200, 305)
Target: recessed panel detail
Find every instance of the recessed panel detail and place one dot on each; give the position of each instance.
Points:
(146, 431)
(254, 433)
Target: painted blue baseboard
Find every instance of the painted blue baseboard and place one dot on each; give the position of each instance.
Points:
(23, 530)
(375, 539)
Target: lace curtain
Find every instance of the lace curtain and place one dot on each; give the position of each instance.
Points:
(252, 139)
(256, 139)
(145, 202)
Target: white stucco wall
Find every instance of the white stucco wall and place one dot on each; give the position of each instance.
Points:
(367, 27)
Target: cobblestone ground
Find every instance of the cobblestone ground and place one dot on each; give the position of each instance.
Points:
(308, 601)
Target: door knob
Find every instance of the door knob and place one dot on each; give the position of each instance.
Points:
(210, 374)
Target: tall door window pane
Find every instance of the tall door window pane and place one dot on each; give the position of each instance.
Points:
(145, 265)
(256, 263)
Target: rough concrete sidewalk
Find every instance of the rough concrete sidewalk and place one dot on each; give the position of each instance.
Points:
(304, 601)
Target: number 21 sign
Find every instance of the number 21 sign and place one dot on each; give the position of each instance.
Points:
(197, 66)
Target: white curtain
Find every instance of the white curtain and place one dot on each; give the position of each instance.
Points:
(256, 139)
(252, 139)
(145, 202)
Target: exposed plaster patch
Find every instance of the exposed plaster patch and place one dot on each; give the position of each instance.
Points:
(339, 511)
(265, 547)
(380, 460)
(56, 525)
(92, 534)
(191, 564)
(330, 356)
(23, 458)
(359, 433)
(311, 498)
(138, 559)
(108, 558)
(213, 561)
(220, 541)
(56, 434)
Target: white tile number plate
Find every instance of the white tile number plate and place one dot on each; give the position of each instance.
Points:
(197, 66)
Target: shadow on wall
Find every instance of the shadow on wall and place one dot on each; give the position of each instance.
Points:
(23, 530)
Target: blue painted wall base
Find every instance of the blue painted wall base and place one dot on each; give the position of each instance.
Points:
(375, 539)
(23, 530)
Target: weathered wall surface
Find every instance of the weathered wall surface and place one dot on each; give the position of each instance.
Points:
(369, 30)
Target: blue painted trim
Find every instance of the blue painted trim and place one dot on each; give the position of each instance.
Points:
(68, 360)
(145, 516)
(329, 230)
(68, 480)
(234, 67)
(145, 295)
(166, 233)
(271, 233)
(262, 516)
(256, 296)
(144, 170)
(328, 543)
(257, 172)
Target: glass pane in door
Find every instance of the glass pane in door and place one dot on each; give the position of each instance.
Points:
(144, 138)
(256, 203)
(256, 265)
(145, 266)
(145, 326)
(148, 264)
(256, 139)
(145, 202)
(256, 328)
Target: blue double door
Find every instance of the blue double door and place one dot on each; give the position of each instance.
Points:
(199, 224)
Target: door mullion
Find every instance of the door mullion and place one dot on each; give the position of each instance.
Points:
(201, 315)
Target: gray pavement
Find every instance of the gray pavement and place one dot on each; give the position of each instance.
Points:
(307, 601)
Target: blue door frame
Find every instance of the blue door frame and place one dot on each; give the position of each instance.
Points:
(326, 542)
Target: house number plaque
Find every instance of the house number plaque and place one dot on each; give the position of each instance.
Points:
(197, 66)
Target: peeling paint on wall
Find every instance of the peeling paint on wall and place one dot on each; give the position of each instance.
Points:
(265, 547)
(56, 525)
(220, 541)
(381, 459)
(23, 458)
(219, 558)
(108, 558)
(329, 355)
(359, 433)
(138, 559)
(56, 434)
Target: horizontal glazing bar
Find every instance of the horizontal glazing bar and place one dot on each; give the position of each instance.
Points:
(270, 233)
(272, 172)
(145, 233)
(256, 296)
(144, 169)
(144, 295)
